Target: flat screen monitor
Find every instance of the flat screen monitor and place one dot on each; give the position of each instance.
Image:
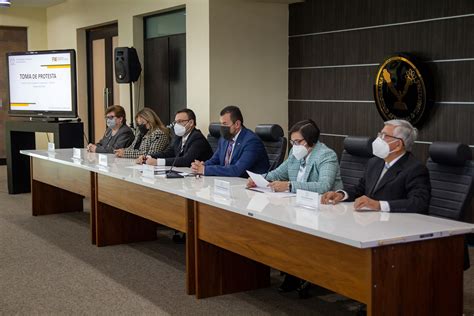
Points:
(42, 83)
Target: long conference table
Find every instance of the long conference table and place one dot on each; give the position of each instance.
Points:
(397, 264)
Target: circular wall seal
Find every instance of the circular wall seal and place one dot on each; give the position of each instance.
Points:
(400, 90)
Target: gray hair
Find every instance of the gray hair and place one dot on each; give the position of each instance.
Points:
(404, 130)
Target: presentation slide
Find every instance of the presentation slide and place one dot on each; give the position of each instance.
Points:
(40, 82)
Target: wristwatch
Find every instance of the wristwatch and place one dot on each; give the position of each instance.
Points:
(289, 186)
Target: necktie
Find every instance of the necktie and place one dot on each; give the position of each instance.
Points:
(384, 171)
(182, 147)
(228, 153)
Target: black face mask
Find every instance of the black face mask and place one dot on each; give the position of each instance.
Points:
(225, 132)
(142, 128)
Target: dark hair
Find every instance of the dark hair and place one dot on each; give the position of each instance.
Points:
(235, 113)
(189, 113)
(118, 110)
(308, 129)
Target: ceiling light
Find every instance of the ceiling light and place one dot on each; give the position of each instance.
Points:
(5, 3)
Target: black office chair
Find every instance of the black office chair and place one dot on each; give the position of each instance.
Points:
(274, 141)
(451, 176)
(214, 134)
(354, 158)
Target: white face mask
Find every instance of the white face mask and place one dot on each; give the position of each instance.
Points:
(179, 130)
(299, 151)
(111, 123)
(380, 148)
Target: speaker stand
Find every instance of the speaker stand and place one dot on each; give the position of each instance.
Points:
(131, 105)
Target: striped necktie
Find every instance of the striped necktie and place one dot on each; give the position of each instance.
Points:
(228, 153)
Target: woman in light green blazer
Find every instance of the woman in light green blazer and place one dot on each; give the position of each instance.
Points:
(310, 166)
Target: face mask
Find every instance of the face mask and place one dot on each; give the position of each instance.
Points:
(142, 128)
(225, 132)
(111, 123)
(299, 151)
(179, 130)
(380, 148)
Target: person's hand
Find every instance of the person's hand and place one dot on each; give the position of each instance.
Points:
(250, 183)
(198, 167)
(332, 197)
(91, 148)
(366, 202)
(279, 186)
(140, 160)
(119, 152)
(150, 161)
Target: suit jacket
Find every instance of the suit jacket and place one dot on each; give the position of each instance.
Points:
(151, 142)
(122, 139)
(196, 147)
(249, 154)
(405, 186)
(321, 172)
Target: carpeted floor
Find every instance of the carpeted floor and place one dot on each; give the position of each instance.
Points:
(48, 266)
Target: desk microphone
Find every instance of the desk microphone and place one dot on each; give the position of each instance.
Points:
(171, 173)
(273, 165)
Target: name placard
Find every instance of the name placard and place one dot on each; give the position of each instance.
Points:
(76, 153)
(222, 187)
(148, 171)
(307, 198)
(51, 147)
(103, 160)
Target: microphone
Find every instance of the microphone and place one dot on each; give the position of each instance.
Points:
(273, 165)
(171, 173)
(270, 169)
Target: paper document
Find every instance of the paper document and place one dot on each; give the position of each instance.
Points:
(259, 180)
(262, 186)
(140, 167)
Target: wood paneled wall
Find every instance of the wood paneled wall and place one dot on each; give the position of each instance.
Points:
(335, 48)
(12, 39)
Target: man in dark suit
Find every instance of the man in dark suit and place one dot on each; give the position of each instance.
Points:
(187, 145)
(394, 180)
(238, 149)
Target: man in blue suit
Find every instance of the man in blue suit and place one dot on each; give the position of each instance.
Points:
(238, 150)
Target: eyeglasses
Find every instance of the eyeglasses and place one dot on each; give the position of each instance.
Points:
(294, 142)
(180, 122)
(383, 135)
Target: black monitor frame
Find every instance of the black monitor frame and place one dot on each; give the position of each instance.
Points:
(47, 114)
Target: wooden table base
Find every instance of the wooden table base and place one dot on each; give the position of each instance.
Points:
(416, 278)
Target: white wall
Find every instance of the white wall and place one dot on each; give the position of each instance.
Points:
(249, 60)
(34, 19)
(236, 50)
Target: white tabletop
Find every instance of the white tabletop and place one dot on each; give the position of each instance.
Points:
(338, 223)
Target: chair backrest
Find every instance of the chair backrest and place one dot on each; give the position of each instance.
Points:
(214, 134)
(274, 141)
(354, 158)
(451, 176)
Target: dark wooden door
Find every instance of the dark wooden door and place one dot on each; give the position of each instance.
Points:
(12, 39)
(165, 75)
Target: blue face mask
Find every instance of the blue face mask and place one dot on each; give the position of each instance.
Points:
(111, 123)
